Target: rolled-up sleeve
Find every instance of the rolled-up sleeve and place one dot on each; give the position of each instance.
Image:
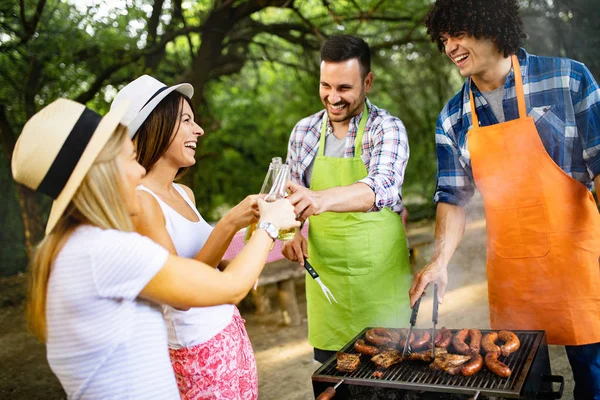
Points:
(454, 183)
(293, 155)
(387, 164)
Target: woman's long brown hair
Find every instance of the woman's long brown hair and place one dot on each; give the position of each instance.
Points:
(156, 134)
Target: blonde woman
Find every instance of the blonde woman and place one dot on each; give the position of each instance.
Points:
(95, 285)
(209, 347)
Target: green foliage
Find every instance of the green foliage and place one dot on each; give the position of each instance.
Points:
(567, 28)
(419, 82)
(255, 126)
(261, 79)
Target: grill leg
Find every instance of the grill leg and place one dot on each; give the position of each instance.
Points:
(541, 366)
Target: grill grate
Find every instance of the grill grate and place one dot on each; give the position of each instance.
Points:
(416, 375)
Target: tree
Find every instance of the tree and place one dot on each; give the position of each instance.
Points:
(567, 28)
(253, 64)
(55, 49)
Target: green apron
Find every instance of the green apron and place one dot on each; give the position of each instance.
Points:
(361, 257)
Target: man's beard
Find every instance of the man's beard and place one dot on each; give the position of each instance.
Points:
(350, 114)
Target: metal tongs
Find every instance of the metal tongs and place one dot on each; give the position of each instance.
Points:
(413, 321)
(315, 276)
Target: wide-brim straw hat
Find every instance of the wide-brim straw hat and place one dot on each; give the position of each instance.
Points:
(143, 95)
(57, 148)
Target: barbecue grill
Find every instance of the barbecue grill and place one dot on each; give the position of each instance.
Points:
(530, 378)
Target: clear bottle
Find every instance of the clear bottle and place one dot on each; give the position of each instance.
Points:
(279, 191)
(266, 188)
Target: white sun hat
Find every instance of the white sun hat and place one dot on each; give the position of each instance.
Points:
(57, 148)
(143, 95)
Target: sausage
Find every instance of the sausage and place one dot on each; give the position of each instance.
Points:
(364, 348)
(489, 343)
(496, 366)
(438, 337)
(475, 344)
(511, 342)
(394, 336)
(458, 341)
(378, 337)
(403, 332)
(473, 366)
(421, 341)
(446, 338)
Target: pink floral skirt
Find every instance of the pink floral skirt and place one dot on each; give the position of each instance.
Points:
(221, 368)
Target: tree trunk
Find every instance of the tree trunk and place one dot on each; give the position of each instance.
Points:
(33, 229)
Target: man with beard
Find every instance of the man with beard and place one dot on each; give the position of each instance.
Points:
(524, 130)
(347, 163)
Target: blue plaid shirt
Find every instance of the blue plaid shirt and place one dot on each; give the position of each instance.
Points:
(562, 97)
(384, 153)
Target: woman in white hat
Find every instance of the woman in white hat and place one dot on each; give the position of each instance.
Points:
(96, 285)
(210, 350)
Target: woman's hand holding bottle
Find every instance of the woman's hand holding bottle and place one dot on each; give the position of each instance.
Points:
(280, 213)
(245, 213)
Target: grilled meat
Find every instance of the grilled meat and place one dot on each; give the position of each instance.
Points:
(488, 343)
(445, 339)
(426, 355)
(423, 339)
(459, 341)
(403, 334)
(387, 358)
(475, 344)
(473, 366)
(511, 342)
(496, 366)
(347, 362)
(450, 363)
(365, 349)
(382, 337)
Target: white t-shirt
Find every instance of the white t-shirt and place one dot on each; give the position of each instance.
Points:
(103, 341)
(199, 324)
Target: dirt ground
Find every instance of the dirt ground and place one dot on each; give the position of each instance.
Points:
(283, 356)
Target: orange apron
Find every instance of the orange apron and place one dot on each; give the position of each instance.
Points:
(543, 246)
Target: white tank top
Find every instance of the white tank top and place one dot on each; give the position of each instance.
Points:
(199, 324)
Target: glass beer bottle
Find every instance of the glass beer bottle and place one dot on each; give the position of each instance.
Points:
(267, 185)
(279, 191)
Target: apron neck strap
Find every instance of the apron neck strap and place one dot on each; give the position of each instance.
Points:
(518, 87)
(359, 135)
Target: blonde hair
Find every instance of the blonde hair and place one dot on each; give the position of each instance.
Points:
(99, 201)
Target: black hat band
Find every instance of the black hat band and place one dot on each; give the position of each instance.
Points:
(67, 158)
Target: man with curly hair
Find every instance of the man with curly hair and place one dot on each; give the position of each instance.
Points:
(524, 130)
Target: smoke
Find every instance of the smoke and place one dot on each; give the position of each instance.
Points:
(564, 28)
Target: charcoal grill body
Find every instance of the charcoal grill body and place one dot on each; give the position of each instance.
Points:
(531, 377)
